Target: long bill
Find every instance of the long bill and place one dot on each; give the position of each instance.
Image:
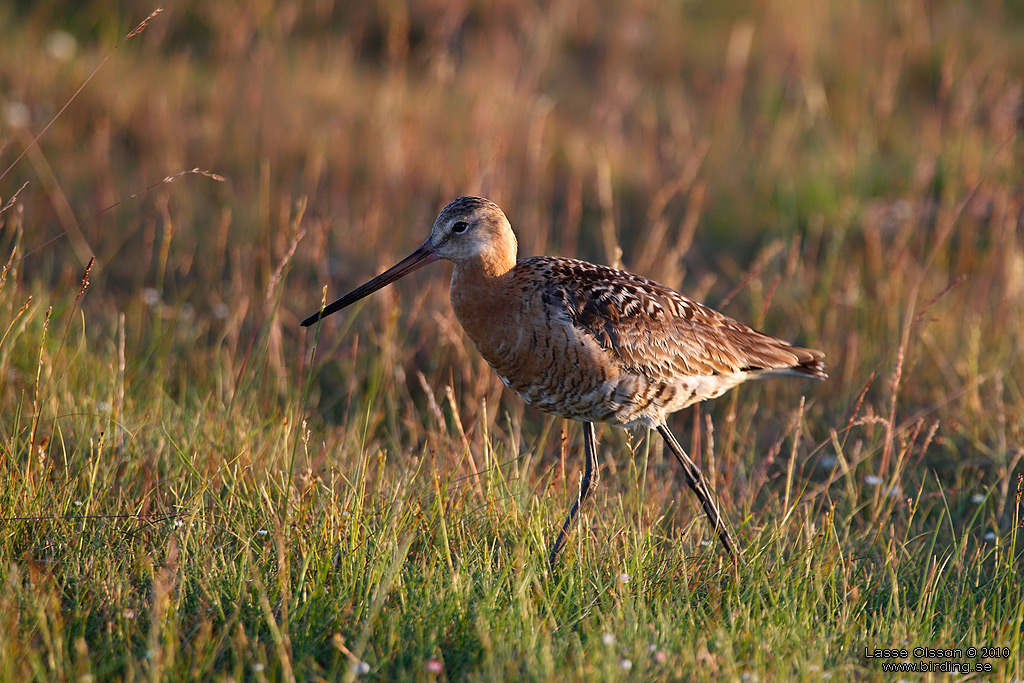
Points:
(414, 261)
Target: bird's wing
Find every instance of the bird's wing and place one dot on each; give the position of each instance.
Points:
(658, 332)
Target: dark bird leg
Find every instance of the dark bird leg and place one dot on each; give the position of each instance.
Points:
(591, 475)
(696, 481)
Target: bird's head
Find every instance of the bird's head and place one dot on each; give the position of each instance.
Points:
(474, 229)
(469, 231)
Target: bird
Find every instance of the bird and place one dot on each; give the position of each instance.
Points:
(589, 342)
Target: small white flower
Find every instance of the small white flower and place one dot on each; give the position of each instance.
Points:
(626, 664)
(872, 480)
(989, 536)
(257, 667)
(77, 503)
(16, 114)
(608, 639)
(103, 406)
(128, 613)
(61, 45)
(978, 498)
(150, 296)
(652, 647)
(262, 532)
(178, 523)
(705, 543)
(623, 578)
(346, 513)
(362, 668)
(828, 461)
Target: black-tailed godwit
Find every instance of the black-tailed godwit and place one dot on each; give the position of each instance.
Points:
(589, 342)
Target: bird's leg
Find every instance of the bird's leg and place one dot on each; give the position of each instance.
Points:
(591, 475)
(699, 485)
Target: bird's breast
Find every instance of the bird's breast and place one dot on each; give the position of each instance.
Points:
(553, 365)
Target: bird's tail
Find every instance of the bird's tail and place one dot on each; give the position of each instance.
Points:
(799, 362)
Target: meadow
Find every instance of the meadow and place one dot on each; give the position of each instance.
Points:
(192, 487)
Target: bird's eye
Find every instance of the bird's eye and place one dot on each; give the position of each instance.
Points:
(460, 226)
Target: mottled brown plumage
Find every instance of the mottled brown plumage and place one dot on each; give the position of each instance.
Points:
(589, 342)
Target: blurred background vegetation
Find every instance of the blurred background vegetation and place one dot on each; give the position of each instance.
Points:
(872, 145)
(822, 170)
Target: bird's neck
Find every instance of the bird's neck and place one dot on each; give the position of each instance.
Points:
(480, 295)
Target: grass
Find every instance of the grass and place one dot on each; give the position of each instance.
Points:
(192, 487)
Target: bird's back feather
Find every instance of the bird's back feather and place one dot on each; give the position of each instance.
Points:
(659, 333)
